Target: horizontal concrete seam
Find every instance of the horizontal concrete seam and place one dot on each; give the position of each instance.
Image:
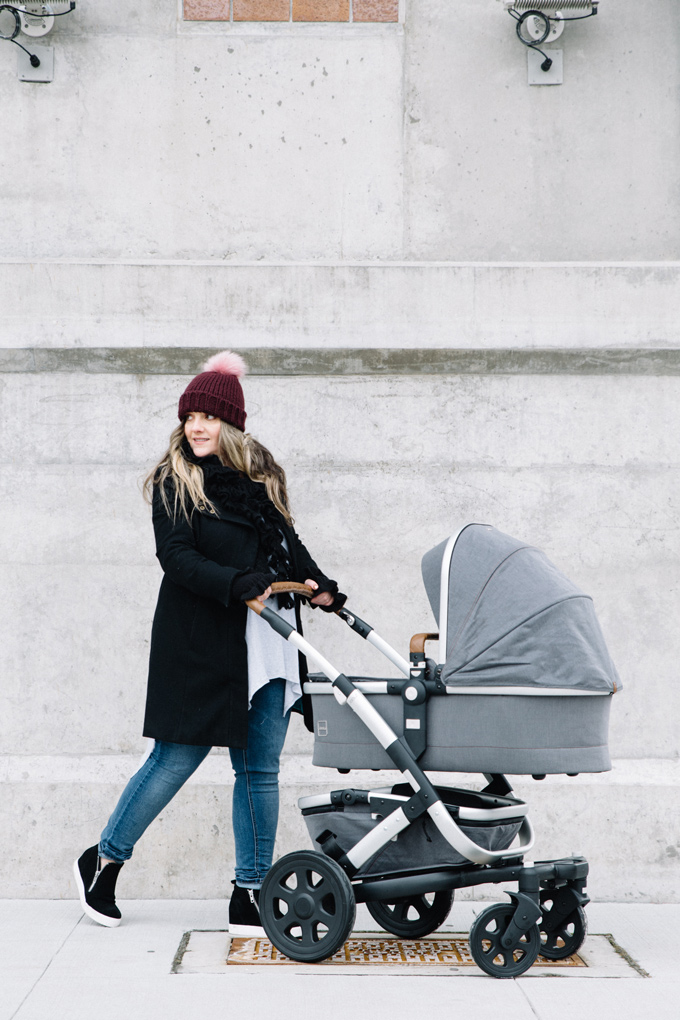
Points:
(104, 769)
(337, 263)
(348, 361)
(261, 29)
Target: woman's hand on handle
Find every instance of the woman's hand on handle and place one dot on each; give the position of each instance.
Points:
(252, 586)
(324, 598)
(255, 587)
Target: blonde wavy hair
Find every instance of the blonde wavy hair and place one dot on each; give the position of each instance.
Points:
(237, 450)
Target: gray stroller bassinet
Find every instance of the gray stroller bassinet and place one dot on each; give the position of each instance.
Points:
(522, 685)
(523, 664)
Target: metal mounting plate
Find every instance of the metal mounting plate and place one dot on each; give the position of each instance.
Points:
(538, 77)
(44, 73)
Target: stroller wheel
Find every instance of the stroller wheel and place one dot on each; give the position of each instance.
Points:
(560, 940)
(413, 916)
(487, 950)
(307, 906)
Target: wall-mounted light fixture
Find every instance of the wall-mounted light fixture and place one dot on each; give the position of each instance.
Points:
(32, 20)
(539, 22)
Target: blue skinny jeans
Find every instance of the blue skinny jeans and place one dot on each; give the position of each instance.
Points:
(255, 805)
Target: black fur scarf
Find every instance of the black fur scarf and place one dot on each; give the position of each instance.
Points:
(238, 494)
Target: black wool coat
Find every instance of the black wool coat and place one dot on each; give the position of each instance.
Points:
(198, 669)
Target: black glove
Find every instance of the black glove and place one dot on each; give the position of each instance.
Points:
(249, 586)
(326, 584)
(338, 602)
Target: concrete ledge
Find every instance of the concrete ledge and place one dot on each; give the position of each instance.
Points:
(55, 806)
(347, 361)
(418, 305)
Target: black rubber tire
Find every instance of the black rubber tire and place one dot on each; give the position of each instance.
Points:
(396, 916)
(485, 943)
(307, 906)
(567, 938)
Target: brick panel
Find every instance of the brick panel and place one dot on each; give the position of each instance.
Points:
(261, 10)
(302, 10)
(206, 10)
(320, 10)
(376, 10)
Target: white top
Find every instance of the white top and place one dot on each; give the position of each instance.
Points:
(270, 656)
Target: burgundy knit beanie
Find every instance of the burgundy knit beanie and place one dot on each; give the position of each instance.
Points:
(217, 390)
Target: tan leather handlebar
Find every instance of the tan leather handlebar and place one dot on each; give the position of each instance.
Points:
(280, 587)
(417, 646)
(295, 586)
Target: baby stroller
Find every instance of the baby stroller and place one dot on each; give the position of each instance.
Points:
(522, 684)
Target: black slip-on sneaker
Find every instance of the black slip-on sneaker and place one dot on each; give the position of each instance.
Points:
(97, 887)
(244, 913)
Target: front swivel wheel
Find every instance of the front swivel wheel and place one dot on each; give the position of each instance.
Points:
(487, 948)
(560, 936)
(307, 906)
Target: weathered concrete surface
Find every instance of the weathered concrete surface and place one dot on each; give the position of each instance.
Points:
(404, 202)
(423, 140)
(472, 306)
(46, 946)
(584, 467)
(497, 169)
(188, 851)
(159, 145)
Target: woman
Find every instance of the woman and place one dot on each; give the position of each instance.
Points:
(218, 674)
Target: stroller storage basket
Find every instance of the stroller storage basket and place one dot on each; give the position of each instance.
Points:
(492, 822)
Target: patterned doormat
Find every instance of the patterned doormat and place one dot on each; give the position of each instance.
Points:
(215, 952)
(377, 951)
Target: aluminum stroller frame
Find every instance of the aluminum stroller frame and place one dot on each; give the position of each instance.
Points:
(308, 900)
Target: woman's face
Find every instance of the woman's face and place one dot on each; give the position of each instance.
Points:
(203, 433)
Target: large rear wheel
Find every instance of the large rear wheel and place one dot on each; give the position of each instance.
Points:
(307, 906)
(413, 916)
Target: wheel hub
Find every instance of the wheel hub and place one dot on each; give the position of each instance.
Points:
(304, 906)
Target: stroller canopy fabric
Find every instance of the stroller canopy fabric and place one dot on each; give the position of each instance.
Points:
(514, 620)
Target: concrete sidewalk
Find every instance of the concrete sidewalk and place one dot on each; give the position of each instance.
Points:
(56, 964)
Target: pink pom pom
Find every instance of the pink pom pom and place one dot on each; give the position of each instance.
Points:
(226, 362)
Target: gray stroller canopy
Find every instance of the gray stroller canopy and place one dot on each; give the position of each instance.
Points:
(513, 619)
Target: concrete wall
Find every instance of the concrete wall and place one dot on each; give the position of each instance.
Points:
(458, 297)
(160, 138)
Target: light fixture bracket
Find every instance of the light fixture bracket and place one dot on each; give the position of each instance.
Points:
(540, 22)
(33, 19)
